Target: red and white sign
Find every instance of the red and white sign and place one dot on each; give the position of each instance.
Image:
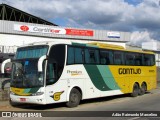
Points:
(37, 29)
(79, 32)
(53, 30)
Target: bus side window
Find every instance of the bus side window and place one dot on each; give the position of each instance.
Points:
(70, 56)
(91, 56)
(50, 73)
(152, 58)
(97, 56)
(87, 56)
(138, 59)
(129, 59)
(118, 58)
(148, 60)
(79, 55)
(102, 57)
(106, 57)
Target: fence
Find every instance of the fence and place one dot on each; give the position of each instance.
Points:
(8, 49)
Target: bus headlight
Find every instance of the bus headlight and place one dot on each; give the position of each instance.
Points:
(37, 93)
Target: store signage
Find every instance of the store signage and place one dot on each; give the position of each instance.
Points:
(52, 30)
(113, 34)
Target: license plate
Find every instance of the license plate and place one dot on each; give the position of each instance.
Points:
(22, 99)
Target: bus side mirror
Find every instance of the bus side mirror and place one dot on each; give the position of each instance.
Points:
(3, 65)
(40, 63)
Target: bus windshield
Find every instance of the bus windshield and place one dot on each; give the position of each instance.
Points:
(31, 52)
(25, 74)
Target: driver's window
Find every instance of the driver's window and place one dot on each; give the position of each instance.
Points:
(50, 74)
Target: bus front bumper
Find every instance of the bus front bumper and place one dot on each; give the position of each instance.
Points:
(28, 99)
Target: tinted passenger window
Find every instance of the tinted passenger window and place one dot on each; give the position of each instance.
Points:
(118, 58)
(129, 59)
(106, 57)
(91, 56)
(138, 59)
(70, 57)
(79, 55)
(148, 60)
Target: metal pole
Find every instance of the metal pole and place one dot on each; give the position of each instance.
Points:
(3, 12)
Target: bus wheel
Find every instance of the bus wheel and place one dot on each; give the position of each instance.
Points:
(143, 89)
(135, 91)
(74, 98)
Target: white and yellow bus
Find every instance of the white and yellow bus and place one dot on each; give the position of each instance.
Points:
(54, 72)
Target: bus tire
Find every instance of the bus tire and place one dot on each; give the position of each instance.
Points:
(143, 89)
(74, 98)
(135, 91)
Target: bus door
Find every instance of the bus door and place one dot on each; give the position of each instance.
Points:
(51, 77)
(55, 87)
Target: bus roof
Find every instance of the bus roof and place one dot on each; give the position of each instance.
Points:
(92, 44)
(49, 43)
(111, 46)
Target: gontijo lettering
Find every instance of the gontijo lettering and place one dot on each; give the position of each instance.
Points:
(129, 71)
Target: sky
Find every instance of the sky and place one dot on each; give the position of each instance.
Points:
(140, 17)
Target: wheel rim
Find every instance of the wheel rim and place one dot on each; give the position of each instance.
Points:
(143, 88)
(136, 90)
(74, 98)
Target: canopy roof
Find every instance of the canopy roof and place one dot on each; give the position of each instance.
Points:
(13, 14)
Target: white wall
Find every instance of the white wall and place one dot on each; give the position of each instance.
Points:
(153, 45)
(18, 40)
